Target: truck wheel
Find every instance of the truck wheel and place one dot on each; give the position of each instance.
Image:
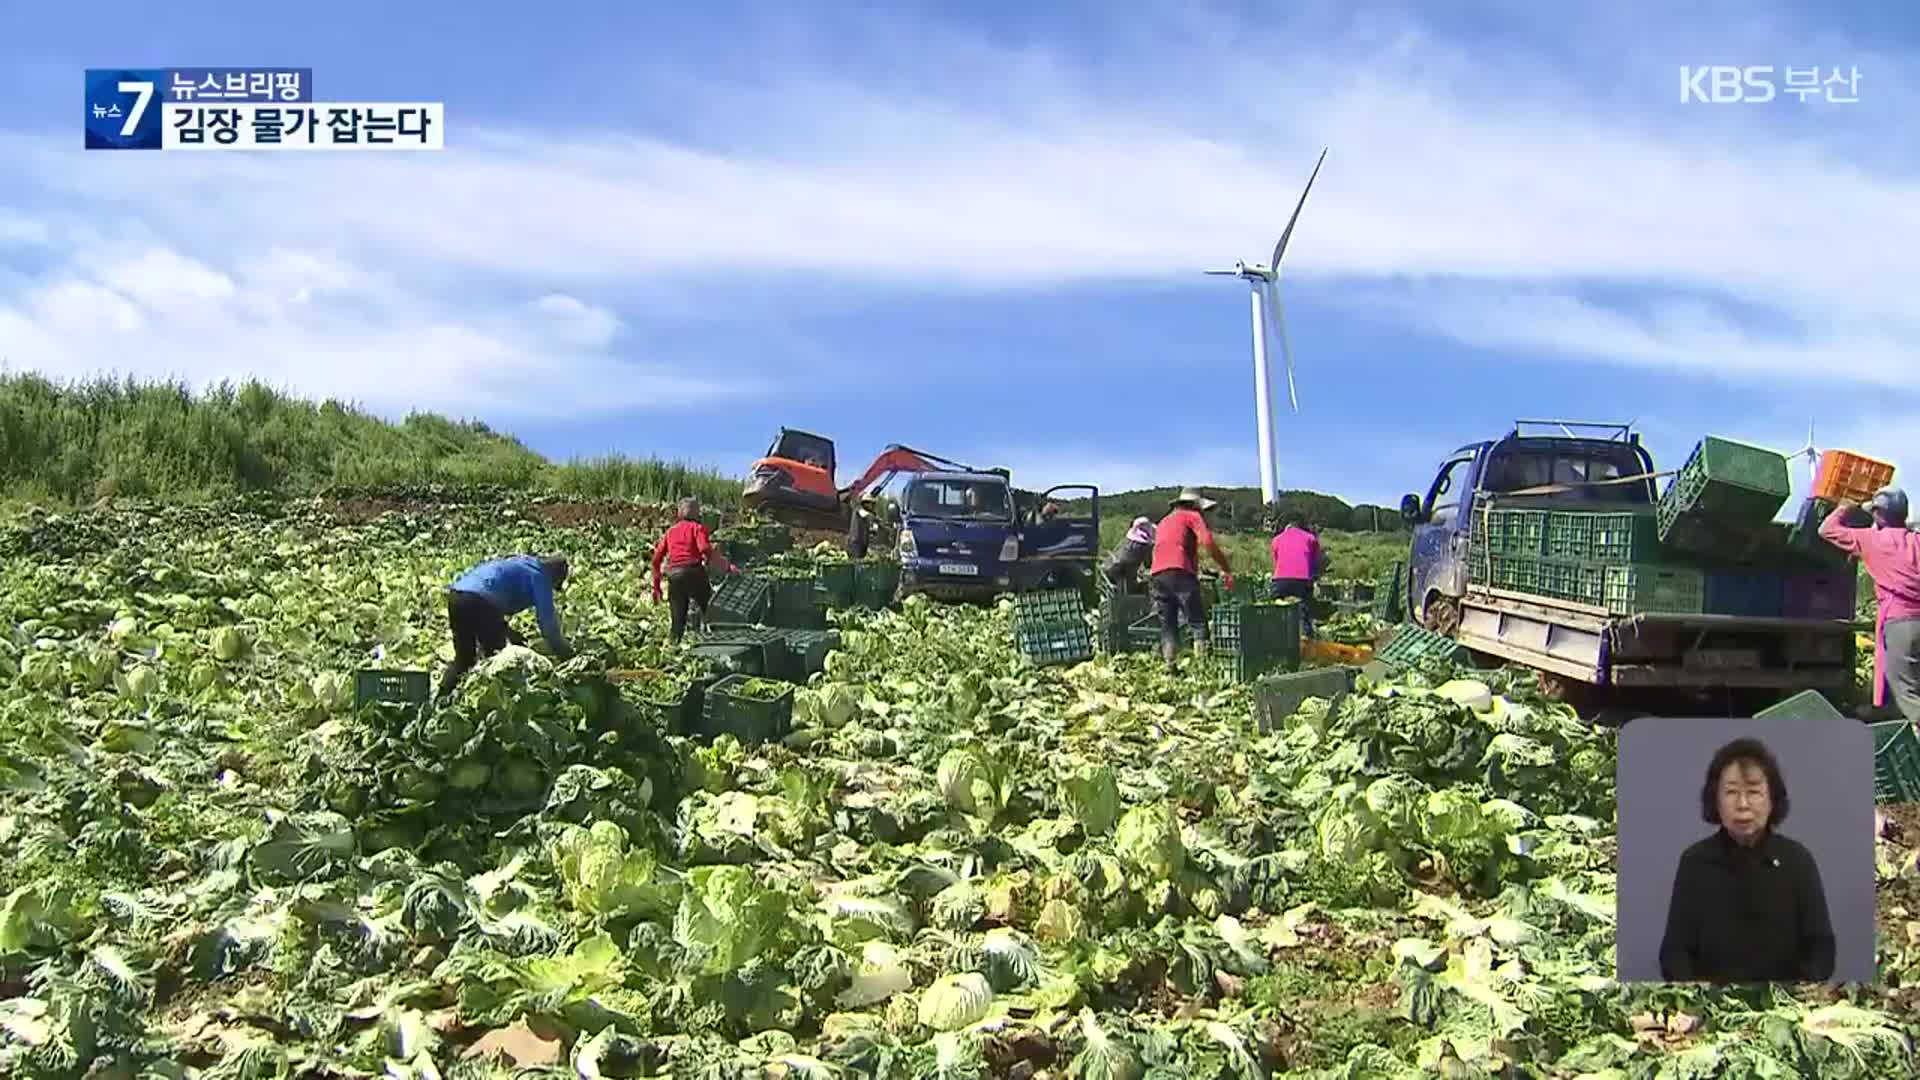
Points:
(1441, 614)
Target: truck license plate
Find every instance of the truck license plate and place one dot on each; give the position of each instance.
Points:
(964, 569)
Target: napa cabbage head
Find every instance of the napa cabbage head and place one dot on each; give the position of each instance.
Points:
(972, 783)
(1149, 837)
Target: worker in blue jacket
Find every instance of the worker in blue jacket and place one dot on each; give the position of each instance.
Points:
(480, 601)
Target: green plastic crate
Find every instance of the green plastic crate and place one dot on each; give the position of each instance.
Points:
(1575, 582)
(400, 687)
(1803, 536)
(1411, 645)
(1635, 589)
(1515, 532)
(1278, 696)
(1570, 536)
(1896, 762)
(1626, 537)
(724, 711)
(1050, 627)
(731, 659)
(1389, 596)
(1251, 639)
(772, 539)
(1256, 638)
(796, 602)
(836, 580)
(875, 582)
(774, 658)
(672, 713)
(809, 649)
(741, 548)
(1118, 611)
(743, 599)
(1805, 705)
(1723, 484)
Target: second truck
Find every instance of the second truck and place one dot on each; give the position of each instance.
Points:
(1546, 548)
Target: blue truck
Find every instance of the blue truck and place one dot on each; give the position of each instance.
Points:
(971, 535)
(1586, 653)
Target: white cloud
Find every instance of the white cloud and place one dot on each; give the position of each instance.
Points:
(583, 323)
(1475, 193)
(314, 322)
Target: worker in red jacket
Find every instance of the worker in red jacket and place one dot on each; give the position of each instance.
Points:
(1177, 541)
(1891, 553)
(686, 549)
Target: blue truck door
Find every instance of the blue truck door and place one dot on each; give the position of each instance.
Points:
(1060, 551)
(1440, 537)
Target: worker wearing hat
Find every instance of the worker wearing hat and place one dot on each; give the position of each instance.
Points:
(1177, 541)
(1891, 553)
(860, 526)
(1123, 566)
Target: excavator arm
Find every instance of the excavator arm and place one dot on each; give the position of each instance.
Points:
(894, 460)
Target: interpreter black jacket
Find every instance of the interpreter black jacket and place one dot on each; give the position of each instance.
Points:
(1741, 914)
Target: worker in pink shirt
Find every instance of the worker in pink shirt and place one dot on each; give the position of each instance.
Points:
(1891, 553)
(1177, 541)
(1298, 561)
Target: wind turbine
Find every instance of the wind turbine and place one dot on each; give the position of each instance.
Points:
(1264, 283)
(1812, 456)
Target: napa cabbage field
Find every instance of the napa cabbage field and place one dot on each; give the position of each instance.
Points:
(957, 865)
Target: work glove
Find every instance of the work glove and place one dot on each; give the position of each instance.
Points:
(1227, 580)
(732, 569)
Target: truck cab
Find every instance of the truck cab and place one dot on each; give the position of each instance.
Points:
(970, 535)
(1442, 519)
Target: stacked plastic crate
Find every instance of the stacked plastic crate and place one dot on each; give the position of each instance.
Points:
(1710, 545)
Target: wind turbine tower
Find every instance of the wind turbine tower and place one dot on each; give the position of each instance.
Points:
(1269, 322)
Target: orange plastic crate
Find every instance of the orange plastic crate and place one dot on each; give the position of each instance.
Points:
(1846, 476)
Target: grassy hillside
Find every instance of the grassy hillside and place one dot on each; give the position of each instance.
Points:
(81, 442)
(1240, 509)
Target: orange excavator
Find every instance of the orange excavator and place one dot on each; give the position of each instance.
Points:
(793, 482)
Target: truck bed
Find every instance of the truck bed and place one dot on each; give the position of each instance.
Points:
(1595, 646)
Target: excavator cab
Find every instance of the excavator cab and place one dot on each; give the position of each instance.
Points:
(795, 478)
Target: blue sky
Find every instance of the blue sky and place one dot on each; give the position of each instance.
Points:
(979, 229)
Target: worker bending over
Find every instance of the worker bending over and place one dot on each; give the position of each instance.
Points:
(1177, 541)
(480, 600)
(1891, 553)
(1298, 561)
(1123, 566)
(686, 549)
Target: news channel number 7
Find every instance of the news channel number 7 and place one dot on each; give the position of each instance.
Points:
(126, 106)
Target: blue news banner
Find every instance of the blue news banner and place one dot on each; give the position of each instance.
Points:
(124, 106)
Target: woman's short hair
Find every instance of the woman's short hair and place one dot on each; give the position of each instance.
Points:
(556, 569)
(1750, 751)
(689, 508)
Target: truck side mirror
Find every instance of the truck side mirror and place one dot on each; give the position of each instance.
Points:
(1410, 509)
(893, 513)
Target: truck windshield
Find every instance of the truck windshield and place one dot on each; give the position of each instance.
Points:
(1582, 468)
(976, 500)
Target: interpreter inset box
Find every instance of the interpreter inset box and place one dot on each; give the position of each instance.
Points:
(1746, 851)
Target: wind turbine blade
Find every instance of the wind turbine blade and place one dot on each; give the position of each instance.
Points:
(1280, 248)
(1278, 326)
